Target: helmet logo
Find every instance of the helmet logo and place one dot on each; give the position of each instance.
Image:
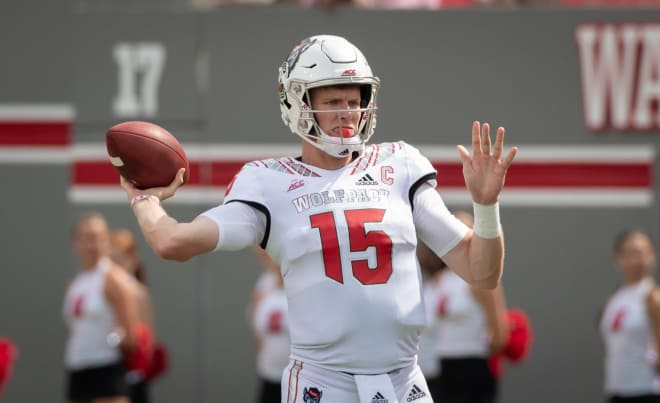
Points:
(349, 72)
(295, 55)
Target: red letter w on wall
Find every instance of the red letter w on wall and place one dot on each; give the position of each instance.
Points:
(620, 74)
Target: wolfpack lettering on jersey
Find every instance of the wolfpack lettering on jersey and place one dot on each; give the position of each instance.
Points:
(346, 241)
(307, 201)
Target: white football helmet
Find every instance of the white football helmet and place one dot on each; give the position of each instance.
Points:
(326, 60)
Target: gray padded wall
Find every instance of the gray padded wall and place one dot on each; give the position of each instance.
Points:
(440, 71)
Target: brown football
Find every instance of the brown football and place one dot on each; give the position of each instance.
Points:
(145, 154)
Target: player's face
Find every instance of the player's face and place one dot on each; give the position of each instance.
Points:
(331, 99)
(636, 256)
(91, 240)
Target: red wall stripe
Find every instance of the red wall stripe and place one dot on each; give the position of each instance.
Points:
(201, 173)
(35, 133)
(560, 174)
(523, 175)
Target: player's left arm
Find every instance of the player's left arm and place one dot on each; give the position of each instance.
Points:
(479, 261)
(479, 257)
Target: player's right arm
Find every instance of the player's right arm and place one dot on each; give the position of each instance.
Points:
(231, 226)
(169, 238)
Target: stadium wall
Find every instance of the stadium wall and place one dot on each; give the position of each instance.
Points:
(579, 113)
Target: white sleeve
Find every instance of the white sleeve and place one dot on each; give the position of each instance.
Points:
(239, 225)
(435, 224)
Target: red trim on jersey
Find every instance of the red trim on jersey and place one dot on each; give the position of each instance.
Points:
(297, 365)
(357, 164)
(15, 133)
(371, 156)
(301, 169)
(377, 153)
(292, 169)
(285, 166)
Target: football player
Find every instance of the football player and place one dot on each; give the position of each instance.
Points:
(342, 219)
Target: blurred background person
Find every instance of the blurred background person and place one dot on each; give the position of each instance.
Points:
(124, 252)
(8, 354)
(630, 324)
(431, 266)
(271, 329)
(101, 310)
(267, 280)
(471, 326)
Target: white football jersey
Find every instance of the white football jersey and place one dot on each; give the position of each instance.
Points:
(346, 240)
(626, 330)
(90, 319)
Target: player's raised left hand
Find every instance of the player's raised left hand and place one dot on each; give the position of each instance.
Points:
(484, 171)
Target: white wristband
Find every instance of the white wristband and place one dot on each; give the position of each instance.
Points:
(487, 220)
(143, 197)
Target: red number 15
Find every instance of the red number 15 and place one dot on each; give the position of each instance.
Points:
(359, 240)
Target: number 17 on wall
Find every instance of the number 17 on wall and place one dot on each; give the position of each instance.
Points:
(139, 69)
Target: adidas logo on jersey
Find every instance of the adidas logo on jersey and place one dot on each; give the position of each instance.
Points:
(379, 398)
(415, 393)
(366, 180)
